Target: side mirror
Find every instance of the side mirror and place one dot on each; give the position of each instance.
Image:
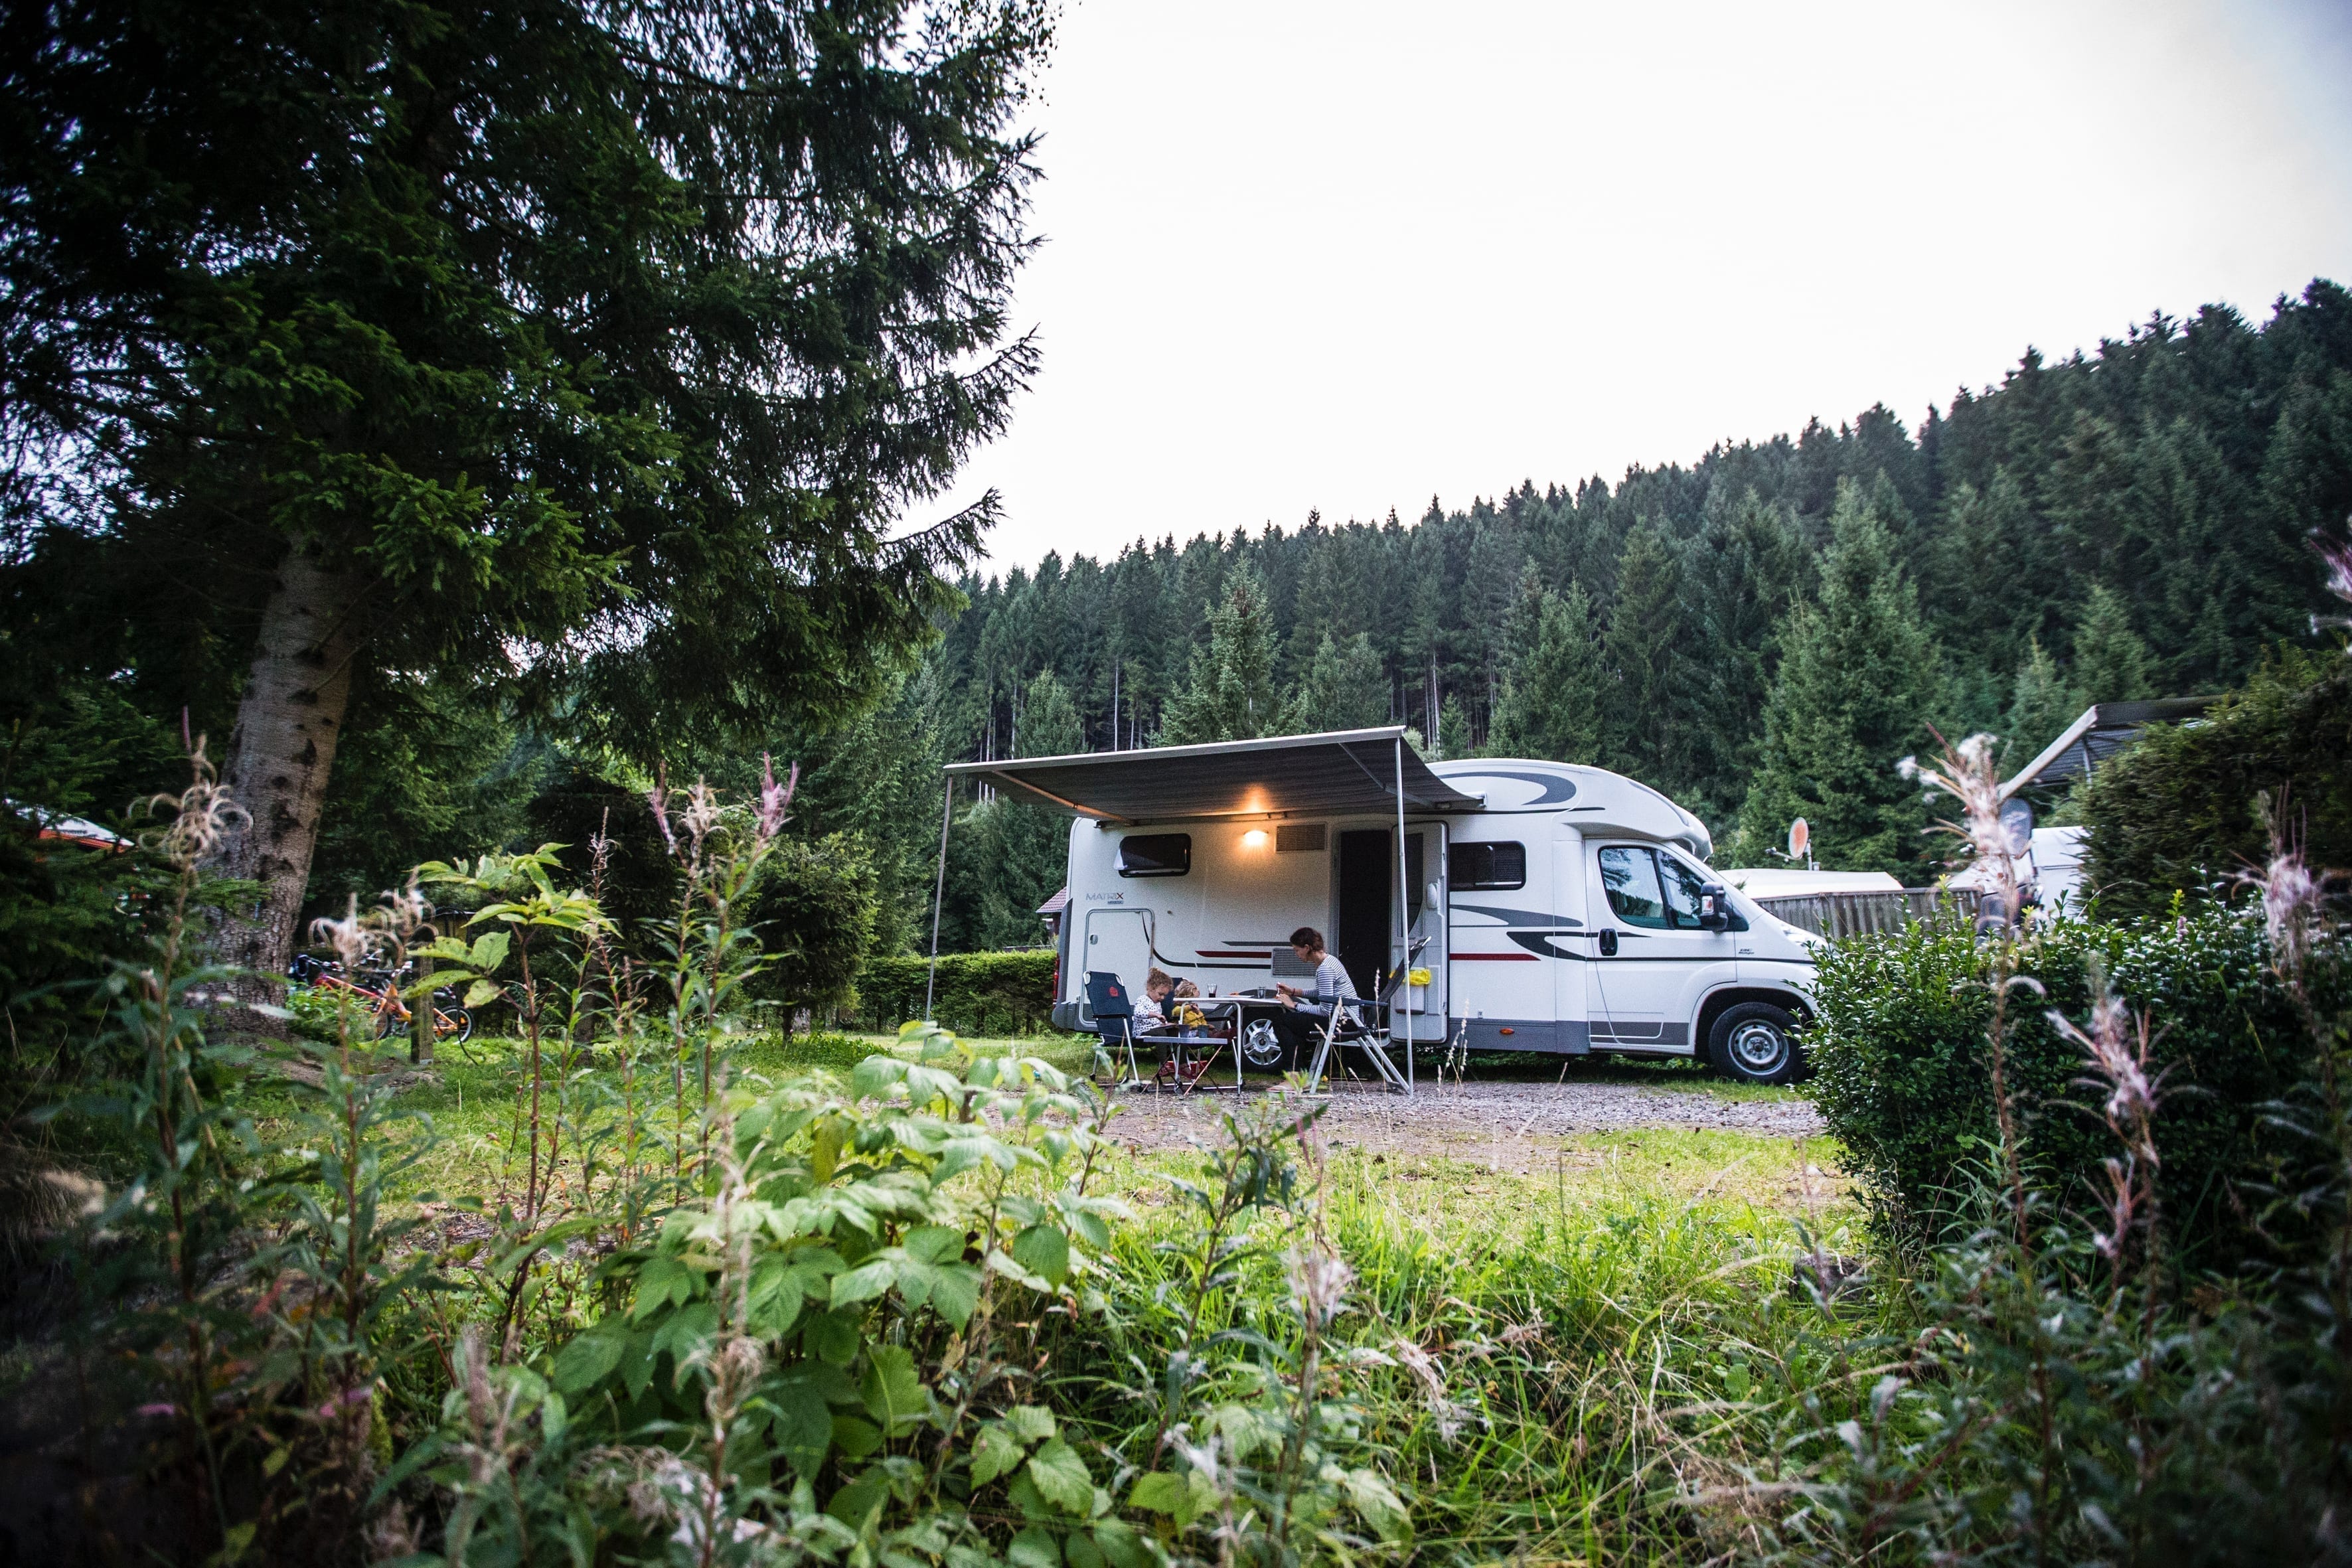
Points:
(1715, 907)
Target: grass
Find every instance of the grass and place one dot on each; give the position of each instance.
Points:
(469, 1100)
(1585, 1319)
(1587, 1328)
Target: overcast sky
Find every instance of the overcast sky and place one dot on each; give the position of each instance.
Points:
(1351, 255)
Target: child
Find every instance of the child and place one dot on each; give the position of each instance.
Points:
(1147, 1013)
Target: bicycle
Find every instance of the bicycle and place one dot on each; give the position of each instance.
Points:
(452, 1023)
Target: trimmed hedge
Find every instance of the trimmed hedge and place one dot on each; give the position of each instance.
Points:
(982, 993)
(1903, 1077)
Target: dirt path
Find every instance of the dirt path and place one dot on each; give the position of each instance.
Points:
(1490, 1122)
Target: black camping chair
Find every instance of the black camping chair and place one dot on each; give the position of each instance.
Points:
(1108, 1000)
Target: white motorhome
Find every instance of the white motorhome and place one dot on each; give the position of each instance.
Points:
(1554, 907)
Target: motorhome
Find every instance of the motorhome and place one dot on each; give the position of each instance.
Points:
(1520, 906)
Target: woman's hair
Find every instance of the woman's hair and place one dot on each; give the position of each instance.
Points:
(1157, 978)
(1186, 988)
(1309, 938)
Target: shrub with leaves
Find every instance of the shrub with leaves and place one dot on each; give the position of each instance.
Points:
(2177, 813)
(985, 993)
(1904, 1069)
(828, 1352)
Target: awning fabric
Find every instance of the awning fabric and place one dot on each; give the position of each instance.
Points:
(1345, 773)
(2099, 733)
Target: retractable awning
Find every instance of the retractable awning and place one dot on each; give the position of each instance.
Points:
(2099, 733)
(1345, 773)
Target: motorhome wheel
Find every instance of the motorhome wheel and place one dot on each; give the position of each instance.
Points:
(1753, 1042)
(1261, 1047)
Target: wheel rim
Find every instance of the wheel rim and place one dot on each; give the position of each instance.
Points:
(1260, 1046)
(1759, 1047)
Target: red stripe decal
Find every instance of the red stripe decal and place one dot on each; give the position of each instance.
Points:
(1497, 957)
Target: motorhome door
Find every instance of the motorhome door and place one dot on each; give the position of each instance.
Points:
(1365, 929)
(1119, 941)
(1424, 856)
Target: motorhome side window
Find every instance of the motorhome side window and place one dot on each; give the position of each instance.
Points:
(1498, 864)
(1687, 894)
(1155, 854)
(1630, 876)
(1684, 889)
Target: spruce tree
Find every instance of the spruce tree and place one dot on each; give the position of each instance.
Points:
(1230, 695)
(1454, 730)
(1552, 697)
(2042, 705)
(604, 348)
(1858, 672)
(1644, 720)
(1344, 687)
(1746, 569)
(1489, 584)
(1025, 847)
(2111, 663)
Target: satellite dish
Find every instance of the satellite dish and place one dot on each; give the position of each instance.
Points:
(2017, 822)
(1800, 836)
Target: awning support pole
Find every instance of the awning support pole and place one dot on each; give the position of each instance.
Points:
(939, 897)
(1404, 921)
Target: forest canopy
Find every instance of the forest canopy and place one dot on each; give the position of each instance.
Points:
(1765, 631)
(1761, 632)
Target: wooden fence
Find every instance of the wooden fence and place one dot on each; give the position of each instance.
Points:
(1852, 914)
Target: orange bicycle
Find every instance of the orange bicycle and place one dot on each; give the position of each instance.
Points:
(452, 1023)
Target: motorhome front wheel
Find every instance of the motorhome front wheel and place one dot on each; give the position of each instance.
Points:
(1261, 1047)
(1754, 1042)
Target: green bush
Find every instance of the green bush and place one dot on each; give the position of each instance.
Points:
(1904, 1082)
(2177, 812)
(984, 994)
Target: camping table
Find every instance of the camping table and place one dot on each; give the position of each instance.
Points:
(1238, 1007)
(1176, 1042)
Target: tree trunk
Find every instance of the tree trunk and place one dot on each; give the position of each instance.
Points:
(287, 724)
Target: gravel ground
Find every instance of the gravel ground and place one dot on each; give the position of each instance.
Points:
(1486, 1121)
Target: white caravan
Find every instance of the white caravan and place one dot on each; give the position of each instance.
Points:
(1554, 907)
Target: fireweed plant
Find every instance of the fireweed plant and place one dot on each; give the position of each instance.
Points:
(2046, 1387)
(241, 1284)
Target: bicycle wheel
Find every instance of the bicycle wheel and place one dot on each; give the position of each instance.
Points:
(452, 1025)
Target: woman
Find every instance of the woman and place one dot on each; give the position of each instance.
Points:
(1303, 1017)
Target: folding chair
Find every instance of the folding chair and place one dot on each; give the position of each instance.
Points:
(1350, 1022)
(1108, 1000)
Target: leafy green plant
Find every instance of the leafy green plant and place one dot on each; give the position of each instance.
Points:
(836, 1319)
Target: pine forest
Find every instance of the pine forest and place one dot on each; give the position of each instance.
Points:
(1760, 634)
